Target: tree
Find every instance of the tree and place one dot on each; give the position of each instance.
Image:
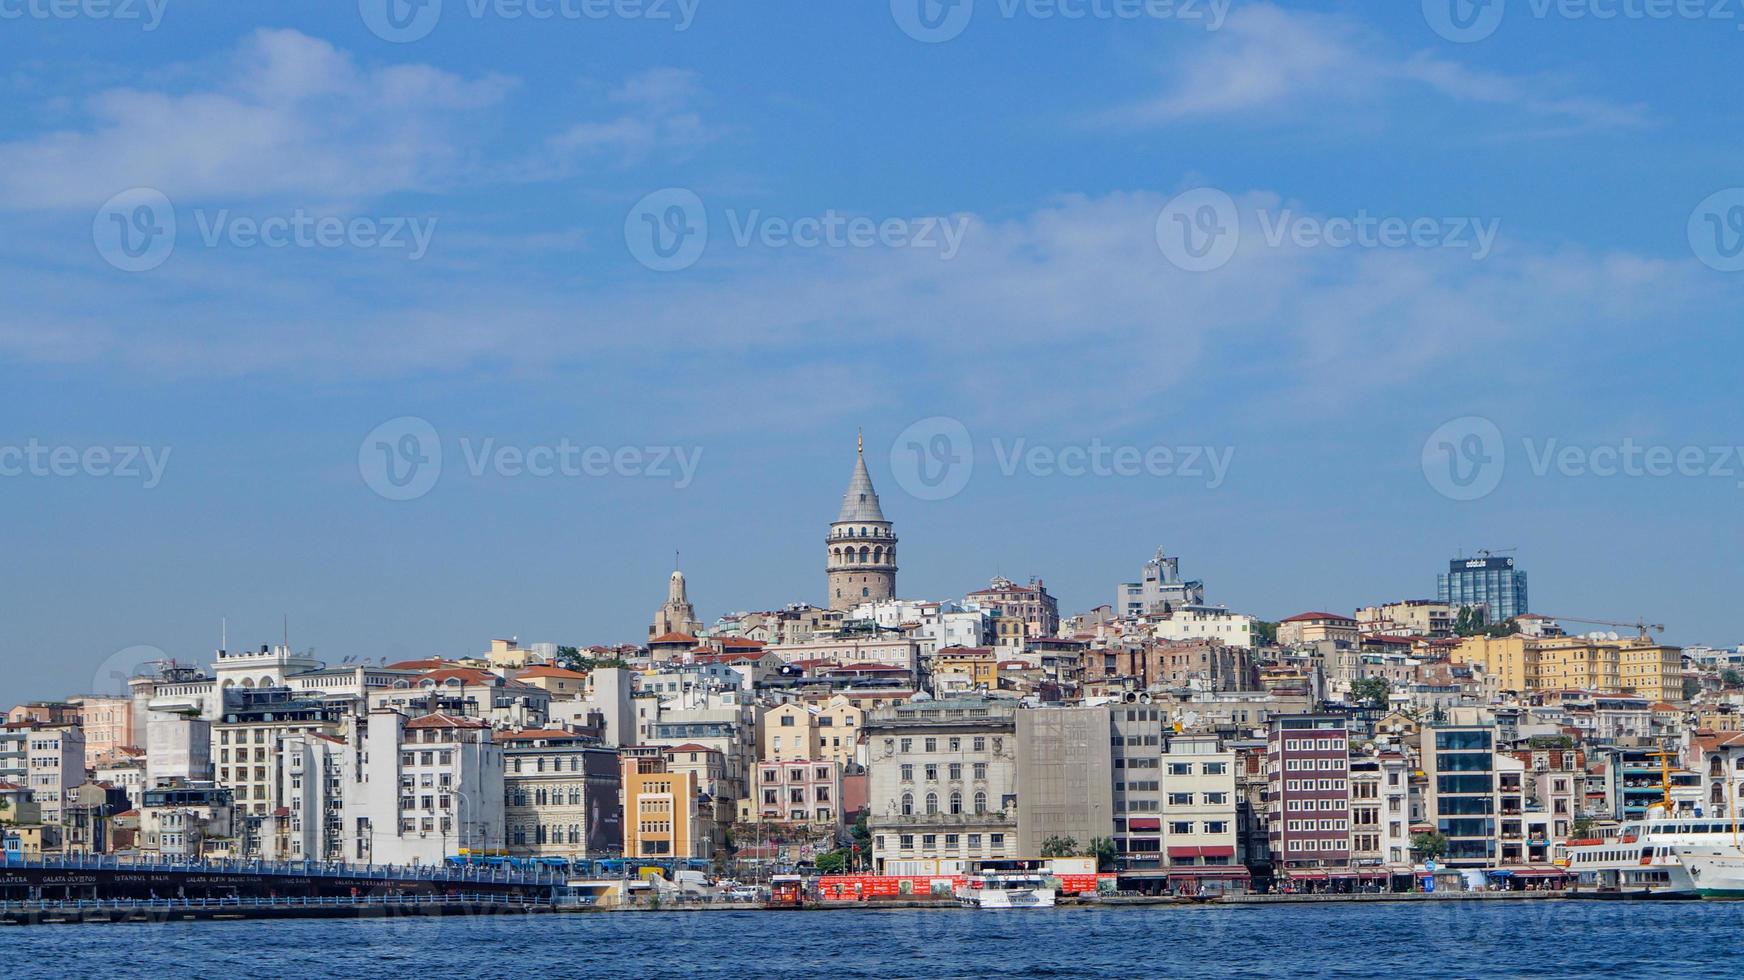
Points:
(1471, 621)
(1582, 828)
(1370, 691)
(1107, 857)
(1732, 678)
(1428, 846)
(835, 862)
(1059, 847)
(1266, 633)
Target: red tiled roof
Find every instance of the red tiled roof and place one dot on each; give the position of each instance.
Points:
(1307, 616)
(691, 747)
(543, 671)
(466, 675)
(673, 638)
(427, 663)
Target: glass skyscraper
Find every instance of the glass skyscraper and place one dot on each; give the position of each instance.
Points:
(1492, 582)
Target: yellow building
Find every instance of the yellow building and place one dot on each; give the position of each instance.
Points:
(1577, 663)
(661, 818)
(797, 732)
(978, 664)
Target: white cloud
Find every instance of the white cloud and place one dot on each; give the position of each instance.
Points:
(1270, 60)
(291, 115)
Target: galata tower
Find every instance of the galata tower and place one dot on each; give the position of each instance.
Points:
(861, 544)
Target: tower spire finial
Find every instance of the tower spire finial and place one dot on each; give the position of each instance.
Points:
(860, 441)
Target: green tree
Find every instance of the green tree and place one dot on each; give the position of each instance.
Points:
(1732, 678)
(833, 863)
(1471, 621)
(1059, 847)
(1370, 691)
(1428, 846)
(1267, 633)
(1107, 857)
(1582, 828)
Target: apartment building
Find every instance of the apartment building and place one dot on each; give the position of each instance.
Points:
(1380, 811)
(662, 818)
(799, 791)
(1593, 663)
(1463, 791)
(1308, 762)
(55, 763)
(1199, 814)
(1064, 777)
(247, 736)
(425, 788)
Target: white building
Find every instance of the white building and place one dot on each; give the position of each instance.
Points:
(425, 789)
(1205, 623)
(56, 761)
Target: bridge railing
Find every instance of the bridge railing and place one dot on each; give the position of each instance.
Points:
(277, 902)
(322, 869)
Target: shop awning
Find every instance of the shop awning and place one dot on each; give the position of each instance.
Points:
(1144, 823)
(1308, 875)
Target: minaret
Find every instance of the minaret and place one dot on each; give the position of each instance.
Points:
(861, 547)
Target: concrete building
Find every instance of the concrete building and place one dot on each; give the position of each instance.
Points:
(315, 770)
(942, 780)
(178, 748)
(55, 763)
(1598, 663)
(561, 795)
(1409, 617)
(1031, 604)
(662, 816)
(1199, 814)
(108, 724)
(1139, 738)
(1065, 776)
(1308, 762)
(1380, 812)
(425, 788)
(1308, 628)
(799, 791)
(1161, 590)
(247, 738)
(860, 549)
(1205, 623)
(186, 822)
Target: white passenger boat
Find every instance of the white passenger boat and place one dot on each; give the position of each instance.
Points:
(994, 890)
(1653, 858)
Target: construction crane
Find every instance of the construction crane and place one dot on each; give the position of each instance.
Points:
(1641, 626)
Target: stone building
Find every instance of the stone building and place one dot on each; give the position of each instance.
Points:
(861, 546)
(560, 795)
(676, 615)
(943, 780)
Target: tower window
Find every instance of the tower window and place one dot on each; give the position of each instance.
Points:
(865, 593)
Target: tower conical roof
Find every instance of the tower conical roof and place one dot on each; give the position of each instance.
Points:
(860, 503)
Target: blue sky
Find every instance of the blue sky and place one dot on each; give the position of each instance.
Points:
(486, 272)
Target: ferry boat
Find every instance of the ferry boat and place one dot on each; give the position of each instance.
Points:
(1655, 857)
(996, 890)
(1717, 871)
